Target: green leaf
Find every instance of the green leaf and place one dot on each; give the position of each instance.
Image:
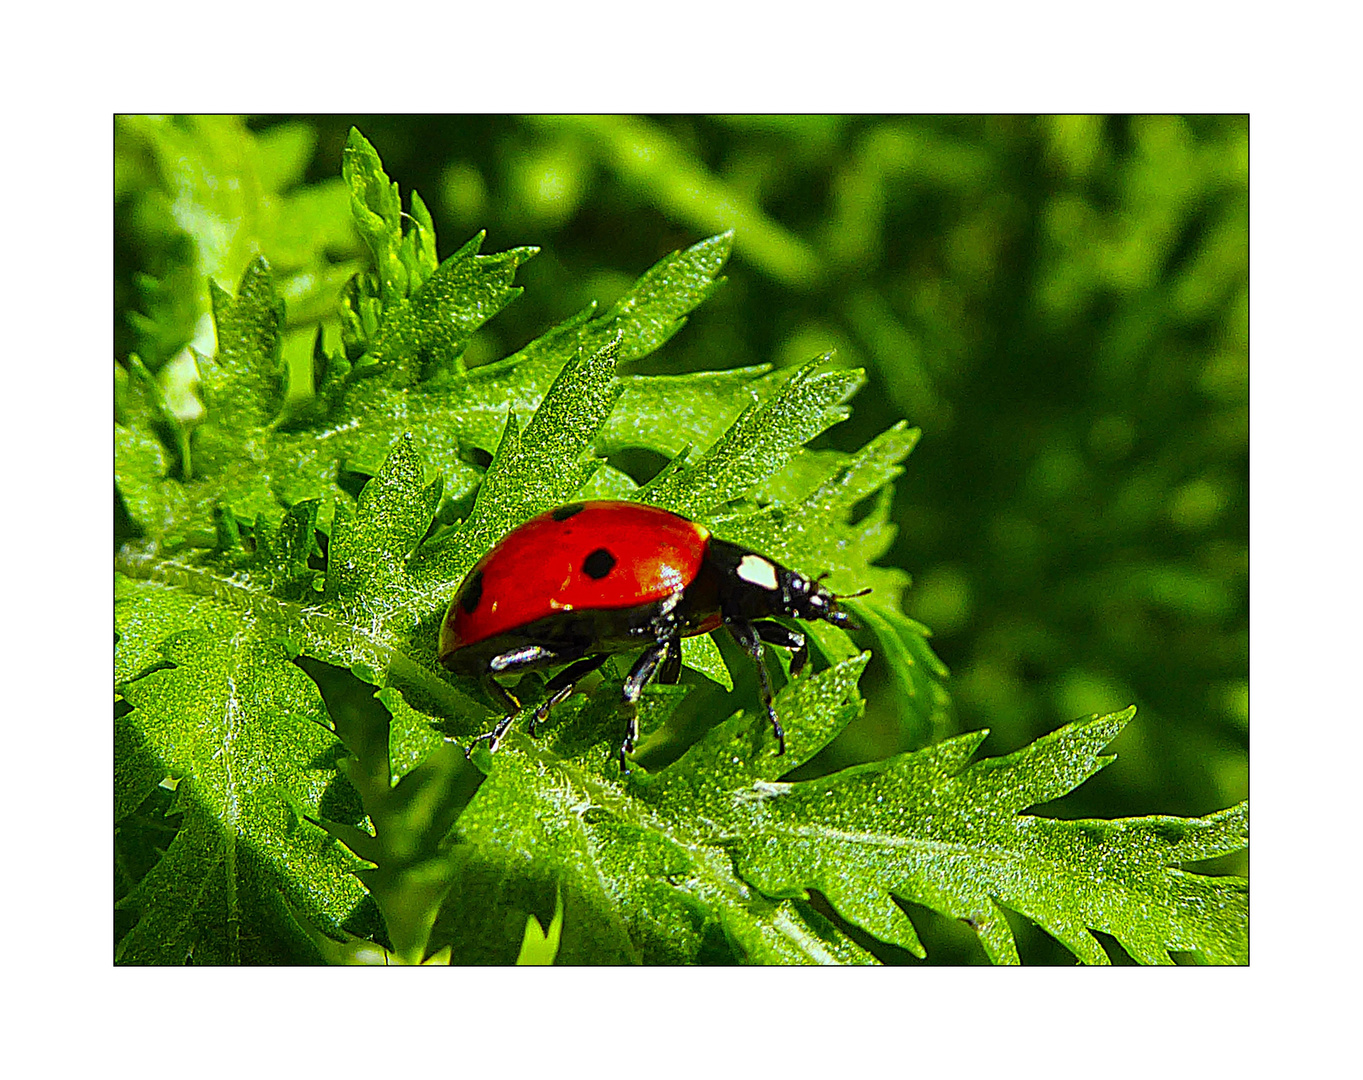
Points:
(701, 654)
(759, 442)
(283, 553)
(367, 559)
(928, 828)
(669, 413)
(262, 466)
(415, 865)
(367, 566)
(656, 307)
(174, 902)
(811, 529)
(201, 197)
(245, 733)
(403, 259)
(143, 466)
(243, 384)
(540, 946)
(644, 876)
(918, 676)
(427, 334)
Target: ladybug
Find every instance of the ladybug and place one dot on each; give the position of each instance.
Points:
(579, 583)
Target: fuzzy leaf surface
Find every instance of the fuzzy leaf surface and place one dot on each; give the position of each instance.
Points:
(244, 736)
(929, 828)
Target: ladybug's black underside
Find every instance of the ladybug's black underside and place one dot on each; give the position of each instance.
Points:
(570, 635)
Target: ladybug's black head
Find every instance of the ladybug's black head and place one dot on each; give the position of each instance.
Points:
(810, 600)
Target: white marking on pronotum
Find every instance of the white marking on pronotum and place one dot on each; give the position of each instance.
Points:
(757, 570)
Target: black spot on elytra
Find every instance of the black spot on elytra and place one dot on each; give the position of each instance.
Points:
(563, 513)
(598, 564)
(473, 592)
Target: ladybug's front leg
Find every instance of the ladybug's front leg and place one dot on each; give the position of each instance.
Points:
(643, 670)
(773, 633)
(560, 687)
(746, 636)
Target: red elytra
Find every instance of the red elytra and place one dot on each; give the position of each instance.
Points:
(578, 584)
(545, 567)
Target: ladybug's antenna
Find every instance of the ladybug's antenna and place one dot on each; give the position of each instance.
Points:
(842, 618)
(842, 596)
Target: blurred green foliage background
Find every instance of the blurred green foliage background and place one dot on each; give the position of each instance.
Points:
(1060, 302)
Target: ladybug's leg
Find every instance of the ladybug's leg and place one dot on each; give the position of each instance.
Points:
(509, 705)
(515, 660)
(773, 633)
(503, 696)
(670, 672)
(522, 658)
(635, 681)
(560, 687)
(749, 641)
